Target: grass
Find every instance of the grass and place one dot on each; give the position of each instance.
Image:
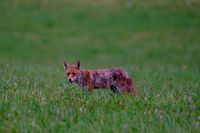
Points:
(157, 42)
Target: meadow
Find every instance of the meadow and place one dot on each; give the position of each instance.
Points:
(157, 42)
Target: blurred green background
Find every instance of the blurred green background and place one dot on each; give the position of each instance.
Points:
(156, 33)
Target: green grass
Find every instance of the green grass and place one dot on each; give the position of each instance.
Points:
(156, 41)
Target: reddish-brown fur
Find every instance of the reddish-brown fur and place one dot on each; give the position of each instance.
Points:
(116, 79)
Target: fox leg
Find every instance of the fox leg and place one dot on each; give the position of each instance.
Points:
(90, 88)
(114, 88)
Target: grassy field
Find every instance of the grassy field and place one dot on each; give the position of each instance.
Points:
(156, 41)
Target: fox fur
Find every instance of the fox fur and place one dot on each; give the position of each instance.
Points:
(114, 78)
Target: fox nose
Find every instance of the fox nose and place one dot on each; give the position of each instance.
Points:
(70, 80)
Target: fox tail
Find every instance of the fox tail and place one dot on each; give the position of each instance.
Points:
(133, 88)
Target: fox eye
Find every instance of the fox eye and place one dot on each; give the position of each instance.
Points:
(71, 73)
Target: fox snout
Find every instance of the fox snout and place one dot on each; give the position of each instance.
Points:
(72, 79)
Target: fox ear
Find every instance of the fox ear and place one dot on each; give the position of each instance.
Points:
(65, 65)
(78, 64)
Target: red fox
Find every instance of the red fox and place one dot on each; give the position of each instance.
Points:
(114, 78)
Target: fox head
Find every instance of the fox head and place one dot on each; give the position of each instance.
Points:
(72, 72)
